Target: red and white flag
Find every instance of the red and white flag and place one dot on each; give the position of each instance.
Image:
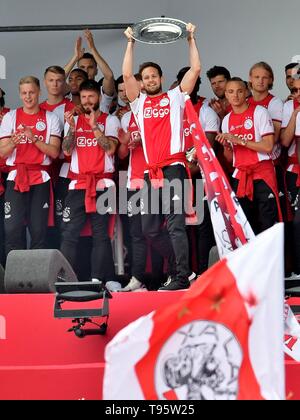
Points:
(221, 341)
(292, 333)
(231, 227)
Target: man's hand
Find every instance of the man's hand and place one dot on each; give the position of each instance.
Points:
(129, 34)
(79, 51)
(16, 138)
(93, 120)
(136, 141)
(69, 118)
(218, 107)
(123, 137)
(191, 29)
(228, 140)
(27, 132)
(89, 39)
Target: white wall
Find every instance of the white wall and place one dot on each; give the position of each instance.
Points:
(230, 32)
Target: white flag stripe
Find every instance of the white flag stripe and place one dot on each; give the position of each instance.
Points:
(121, 355)
(259, 270)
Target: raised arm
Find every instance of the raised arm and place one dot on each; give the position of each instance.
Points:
(131, 84)
(188, 82)
(108, 82)
(78, 53)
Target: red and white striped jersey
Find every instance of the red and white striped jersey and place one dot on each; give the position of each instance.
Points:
(251, 125)
(297, 134)
(2, 113)
(105, 102)
(274, 106)
(208, 118)
(88, 157)
(288, 109)
(160, 121)
(43, 125)
(59, 109)
(137, 162)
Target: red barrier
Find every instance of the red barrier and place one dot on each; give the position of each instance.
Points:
(40, 360)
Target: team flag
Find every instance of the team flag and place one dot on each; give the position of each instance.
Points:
(231, 227)
(216, 342)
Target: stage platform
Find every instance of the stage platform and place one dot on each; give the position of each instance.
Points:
(39, 359)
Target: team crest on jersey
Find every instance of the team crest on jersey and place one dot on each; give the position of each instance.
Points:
(200, 361)
(248, 124)
(40, 126)
(66, 214)
(58, 207)
(7, 210)
(164, 102)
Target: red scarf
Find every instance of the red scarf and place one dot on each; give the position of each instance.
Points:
(263, 170)
(91, 185)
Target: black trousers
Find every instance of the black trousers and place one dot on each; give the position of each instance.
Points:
(74, 218)
(139, 245)
(296, 229)
(292, 228)
(175, 243)
(262, 212)
(138, 240)
(2, 253)
(31, 207)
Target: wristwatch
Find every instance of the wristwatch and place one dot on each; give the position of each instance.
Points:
(244, 142)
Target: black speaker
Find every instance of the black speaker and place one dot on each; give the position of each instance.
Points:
(36, 271)
(2, 288)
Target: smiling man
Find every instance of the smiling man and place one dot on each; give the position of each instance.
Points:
(29, 140)
(90, 140)
(160, 117)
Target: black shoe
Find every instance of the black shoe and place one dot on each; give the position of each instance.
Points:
(175, 285)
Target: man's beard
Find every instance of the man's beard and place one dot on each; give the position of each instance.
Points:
(153, 92)
(88, 110)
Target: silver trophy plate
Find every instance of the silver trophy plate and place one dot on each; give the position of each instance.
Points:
(160, 30)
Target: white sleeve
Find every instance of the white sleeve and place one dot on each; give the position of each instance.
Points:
(7, 125)
(225, 124)
(275, 109)
(135, 105)
(55, 125)
(177, 95)
(287, 113)
(125, 121)
(265, 124)
(105, 102)
(112, 127)
(209, 119)
(297, 134)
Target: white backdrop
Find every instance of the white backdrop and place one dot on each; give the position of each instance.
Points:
(230, 33)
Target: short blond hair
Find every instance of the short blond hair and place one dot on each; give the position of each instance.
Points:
(30, 79)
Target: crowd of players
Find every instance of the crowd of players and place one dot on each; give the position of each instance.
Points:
(59, 157)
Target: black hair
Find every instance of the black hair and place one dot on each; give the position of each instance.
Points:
(89, 85)
(150, 64)
(218, 71)
(80, 71)
(89, 57)
(291, 66)
(2, 100)
(180, 76)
